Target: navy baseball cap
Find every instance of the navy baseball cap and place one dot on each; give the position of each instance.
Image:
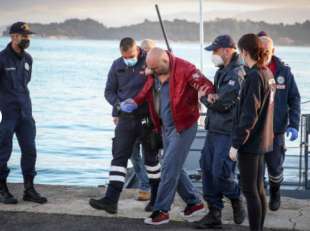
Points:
(222, 41)
(20, 28)
(262, 34)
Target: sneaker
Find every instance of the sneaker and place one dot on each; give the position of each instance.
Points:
(143, 196)
(192, 210)
(157, 218)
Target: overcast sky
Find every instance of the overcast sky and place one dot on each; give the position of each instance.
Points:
(125, 12)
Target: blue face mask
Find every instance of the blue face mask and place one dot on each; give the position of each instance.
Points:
(241, 60)
(131, 62)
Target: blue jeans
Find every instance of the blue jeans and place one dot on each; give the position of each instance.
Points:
(218, 171)
(138, 164)
(174, 178)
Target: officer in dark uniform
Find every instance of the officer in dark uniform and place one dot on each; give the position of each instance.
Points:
(16, 113)
(286, 119)
(125, 80)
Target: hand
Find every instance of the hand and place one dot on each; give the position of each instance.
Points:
(212, 98)
(202, 90)
(201, 93)
(129, 105)
(115, 120)
(148, 71)
(292, 133)
(233, 154)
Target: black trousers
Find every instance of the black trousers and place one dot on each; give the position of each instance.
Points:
(251, 167)
(127, 131)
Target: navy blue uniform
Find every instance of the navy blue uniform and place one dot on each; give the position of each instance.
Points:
(125, 82)
(286, 114)
(218, 169)
(16, 109)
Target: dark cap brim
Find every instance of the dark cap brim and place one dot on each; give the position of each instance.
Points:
(212, 47)
(23, 33)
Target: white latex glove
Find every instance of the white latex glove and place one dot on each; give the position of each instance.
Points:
(233, 154)
(115, 120)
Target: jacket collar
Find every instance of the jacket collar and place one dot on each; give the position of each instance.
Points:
(14, 53)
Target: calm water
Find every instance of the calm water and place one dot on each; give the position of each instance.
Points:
(74, 126)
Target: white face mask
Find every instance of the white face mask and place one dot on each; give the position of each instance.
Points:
(217, 60)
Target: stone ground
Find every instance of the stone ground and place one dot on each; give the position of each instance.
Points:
(68, 210)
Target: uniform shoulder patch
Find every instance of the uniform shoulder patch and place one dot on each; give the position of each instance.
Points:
(27, 66)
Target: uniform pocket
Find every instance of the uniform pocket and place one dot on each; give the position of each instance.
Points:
(228, 168)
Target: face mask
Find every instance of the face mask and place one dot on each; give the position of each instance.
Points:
(217, 60)
(24, 44)
(241, 60)
(131, 62)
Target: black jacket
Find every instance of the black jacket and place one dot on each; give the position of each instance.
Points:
(15, 74)
(125, 82)
(253, 129)
(227, 81)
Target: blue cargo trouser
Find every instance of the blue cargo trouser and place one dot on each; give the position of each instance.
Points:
(174, 178)
(25, 130)
(218, 170)
(275, 160)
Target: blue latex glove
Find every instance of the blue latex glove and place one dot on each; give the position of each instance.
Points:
(129, 105)
(292, 133)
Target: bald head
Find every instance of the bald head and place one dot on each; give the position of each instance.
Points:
(158, 60)
(148, 44)
(268, 45)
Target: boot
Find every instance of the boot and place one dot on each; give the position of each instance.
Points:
(104, 204)
(238, 210)
(30, 194)
(154, 183)
(5, 196)
(213, 220)
(275, 197)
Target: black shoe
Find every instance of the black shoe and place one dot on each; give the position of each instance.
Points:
(5, 196)
(32, 195)
(238, 210)
(149, 207)
(213, 220)
(104, 204)
(275, 198)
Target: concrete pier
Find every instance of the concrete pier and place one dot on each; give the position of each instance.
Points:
(68, 209)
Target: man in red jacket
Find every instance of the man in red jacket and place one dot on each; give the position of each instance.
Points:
(171, 91)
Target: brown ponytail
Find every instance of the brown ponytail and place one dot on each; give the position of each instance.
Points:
(254, 46)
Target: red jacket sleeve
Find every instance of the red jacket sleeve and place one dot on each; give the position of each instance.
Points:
(141, 97)
(197, 80)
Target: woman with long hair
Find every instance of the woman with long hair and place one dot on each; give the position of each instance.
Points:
(253, 130)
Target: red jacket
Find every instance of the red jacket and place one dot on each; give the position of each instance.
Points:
(184, 82)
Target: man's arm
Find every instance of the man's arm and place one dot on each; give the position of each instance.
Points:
(227, 95)
(110, 92)
(198, 81)
(141, 97)
(293, 103)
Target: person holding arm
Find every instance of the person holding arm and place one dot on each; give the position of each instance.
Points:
(171, 91)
